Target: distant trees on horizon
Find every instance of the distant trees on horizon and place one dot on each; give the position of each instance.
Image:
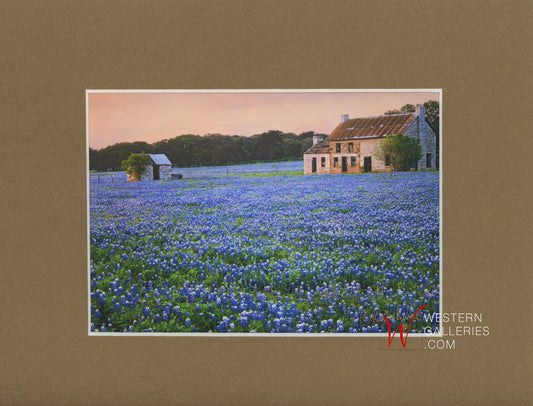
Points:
(209, 150)
(218, 149)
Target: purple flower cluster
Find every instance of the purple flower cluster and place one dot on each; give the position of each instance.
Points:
(296, 254)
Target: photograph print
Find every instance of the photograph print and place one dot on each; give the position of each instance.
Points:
(264, 212)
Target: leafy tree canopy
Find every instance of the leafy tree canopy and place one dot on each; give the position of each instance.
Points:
(135, 165)
(401, 151)
(406, 108)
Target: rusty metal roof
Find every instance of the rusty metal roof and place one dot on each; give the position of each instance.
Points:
(160, 159)
(319, 148)
(371, 127)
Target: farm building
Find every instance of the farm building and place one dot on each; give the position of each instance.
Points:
(351, 147)
(159, 168)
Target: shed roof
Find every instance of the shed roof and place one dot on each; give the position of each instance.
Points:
(319, 148)
(160, 159)
(371, 127)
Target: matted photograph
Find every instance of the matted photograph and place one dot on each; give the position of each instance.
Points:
(273, 203)
(264, 212)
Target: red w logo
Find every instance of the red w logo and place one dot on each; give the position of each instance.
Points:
(401, 328)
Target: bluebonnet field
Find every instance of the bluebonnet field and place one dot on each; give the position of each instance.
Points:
(265, 254)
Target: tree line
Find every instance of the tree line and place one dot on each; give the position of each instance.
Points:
(217, 149)
(209, 150)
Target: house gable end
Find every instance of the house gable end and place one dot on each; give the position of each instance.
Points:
(431, 127)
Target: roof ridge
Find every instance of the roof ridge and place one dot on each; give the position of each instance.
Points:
(383, 115)
(372, 126)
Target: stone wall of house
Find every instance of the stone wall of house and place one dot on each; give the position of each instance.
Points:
(308, 158)
(148, 173)
(165, 172)
(368, 149)
(322, 164)
(428, 140)
(348, 149)
(336, 162)
(358, 149)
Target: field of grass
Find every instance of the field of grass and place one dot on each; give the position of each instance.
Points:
(266, 253)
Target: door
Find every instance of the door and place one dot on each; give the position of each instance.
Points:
(344, 164)
(156, 172)
(368, 164)
(313, 165)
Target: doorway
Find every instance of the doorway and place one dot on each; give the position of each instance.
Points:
(368, 164)
(313, 165)
(156, 172)
(344, 164)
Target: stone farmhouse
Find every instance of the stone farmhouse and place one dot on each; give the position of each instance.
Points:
(351, 147)
(159, 168)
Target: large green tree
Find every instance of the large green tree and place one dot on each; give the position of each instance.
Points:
(135, 165)
(432, 117)
(400, 151)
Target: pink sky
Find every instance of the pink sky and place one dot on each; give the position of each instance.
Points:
(128, 117)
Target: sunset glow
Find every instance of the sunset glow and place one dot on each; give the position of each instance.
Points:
(115, 116)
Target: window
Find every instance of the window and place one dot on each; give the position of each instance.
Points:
(428, 160)
(350, 147)
(337, 147)
(335, 162)
(352, 161)
(387, 160)
(322, 162)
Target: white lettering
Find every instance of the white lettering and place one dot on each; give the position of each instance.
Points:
(441, 344)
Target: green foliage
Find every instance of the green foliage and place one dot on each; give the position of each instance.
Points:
(406, 108)
(432, 117)
(135, 165)
(110, 158)
(432, 112)
(210, 150)
(402, 151)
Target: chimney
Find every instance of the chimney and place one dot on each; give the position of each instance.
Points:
(317, 139)
(421, 112)
(344, 118)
